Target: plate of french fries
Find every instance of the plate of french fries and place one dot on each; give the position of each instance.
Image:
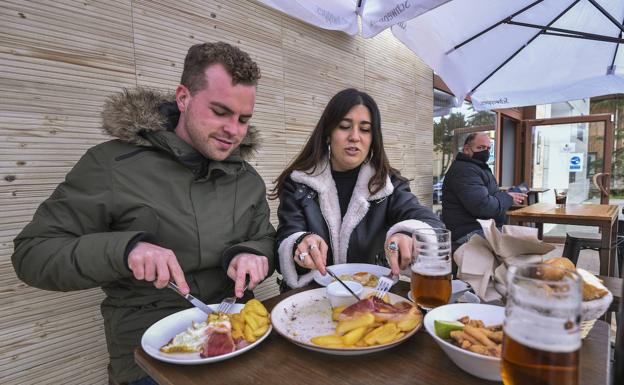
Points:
(308, 320)
(180, 337)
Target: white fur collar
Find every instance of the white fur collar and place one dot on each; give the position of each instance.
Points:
(340, 229)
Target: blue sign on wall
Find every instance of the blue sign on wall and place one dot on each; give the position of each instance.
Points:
(576, 162)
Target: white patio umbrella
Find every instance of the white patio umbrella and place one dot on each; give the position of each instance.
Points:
(522, 52)
(503, 53)
(342, 15)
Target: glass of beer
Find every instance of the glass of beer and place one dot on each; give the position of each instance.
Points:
(542, 336)
(431, 267)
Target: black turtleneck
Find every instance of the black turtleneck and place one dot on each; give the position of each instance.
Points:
(345, 183)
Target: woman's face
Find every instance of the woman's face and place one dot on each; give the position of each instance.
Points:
(351, 140)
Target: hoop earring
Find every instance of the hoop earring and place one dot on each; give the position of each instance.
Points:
(370, 156)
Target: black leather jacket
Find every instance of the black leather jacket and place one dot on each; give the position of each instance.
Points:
(299, 210)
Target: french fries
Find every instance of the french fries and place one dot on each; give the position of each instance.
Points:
(331, 341)
(478, 338)
(336, 312)
(365, 330)
(251, 323)
(346, 326)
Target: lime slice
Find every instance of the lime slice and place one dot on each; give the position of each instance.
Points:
(443, 329)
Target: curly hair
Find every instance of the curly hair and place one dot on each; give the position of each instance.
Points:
(235, 61)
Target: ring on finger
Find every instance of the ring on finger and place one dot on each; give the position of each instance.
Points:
(312, 247)
(303, 255)
(393, 247)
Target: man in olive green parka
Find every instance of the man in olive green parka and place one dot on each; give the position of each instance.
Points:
(171, 199)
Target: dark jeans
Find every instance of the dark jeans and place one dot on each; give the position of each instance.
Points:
(144, 381)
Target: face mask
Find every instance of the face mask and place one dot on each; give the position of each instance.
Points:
(482, 156)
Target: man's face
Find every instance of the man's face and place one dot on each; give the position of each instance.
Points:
(480, 143)
(215, 119)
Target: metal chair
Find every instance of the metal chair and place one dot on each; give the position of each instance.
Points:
(577, 241)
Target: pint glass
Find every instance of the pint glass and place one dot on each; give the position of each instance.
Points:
(431, 267)
(542, 335)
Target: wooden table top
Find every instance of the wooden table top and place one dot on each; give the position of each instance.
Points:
(570, 211)
(418, 360)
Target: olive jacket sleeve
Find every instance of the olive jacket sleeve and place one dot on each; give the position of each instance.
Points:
(68, 245)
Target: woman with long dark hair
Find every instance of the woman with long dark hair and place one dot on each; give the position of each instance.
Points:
(340, 201)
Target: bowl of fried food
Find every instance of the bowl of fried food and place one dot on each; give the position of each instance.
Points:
(471, 335)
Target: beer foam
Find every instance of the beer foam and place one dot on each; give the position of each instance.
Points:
(546, 333)
(433, 269)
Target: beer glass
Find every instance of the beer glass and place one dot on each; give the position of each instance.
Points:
(542, 336)
(431, 267)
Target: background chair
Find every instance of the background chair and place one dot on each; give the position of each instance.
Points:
(577, 241)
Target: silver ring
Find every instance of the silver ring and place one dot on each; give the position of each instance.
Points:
(312, 247)
(393, 247)
(302, 256)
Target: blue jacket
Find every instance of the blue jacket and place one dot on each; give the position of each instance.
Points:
(470, 192)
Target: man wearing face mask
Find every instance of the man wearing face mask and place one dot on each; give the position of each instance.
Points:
(470, 191)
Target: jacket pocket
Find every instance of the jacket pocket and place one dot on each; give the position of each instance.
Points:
(138, 218)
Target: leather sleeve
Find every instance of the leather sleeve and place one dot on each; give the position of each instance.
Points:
(289, 212)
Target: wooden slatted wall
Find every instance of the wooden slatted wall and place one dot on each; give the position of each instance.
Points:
(60, 59)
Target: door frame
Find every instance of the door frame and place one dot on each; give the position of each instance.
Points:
(528, 125)
(516, 117)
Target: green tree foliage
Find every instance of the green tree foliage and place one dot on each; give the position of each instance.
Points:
(481, 118)
(443, 131)
(613, 106)
(443, 136)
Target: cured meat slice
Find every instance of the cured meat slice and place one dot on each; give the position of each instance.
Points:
(219, 339)
(380, 309)
(218, 343)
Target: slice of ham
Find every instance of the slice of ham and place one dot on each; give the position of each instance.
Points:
(219, 340)
(381, 310)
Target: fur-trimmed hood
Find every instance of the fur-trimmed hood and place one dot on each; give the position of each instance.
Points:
(129, 114)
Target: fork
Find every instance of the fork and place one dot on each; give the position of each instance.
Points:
(383, 286)
(226, 305)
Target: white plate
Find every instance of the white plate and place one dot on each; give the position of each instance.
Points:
(302, 316)
(458, 287)
(350, 268)
(164, 330)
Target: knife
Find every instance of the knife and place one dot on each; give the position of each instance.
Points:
(197, 303)
(342, 283)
